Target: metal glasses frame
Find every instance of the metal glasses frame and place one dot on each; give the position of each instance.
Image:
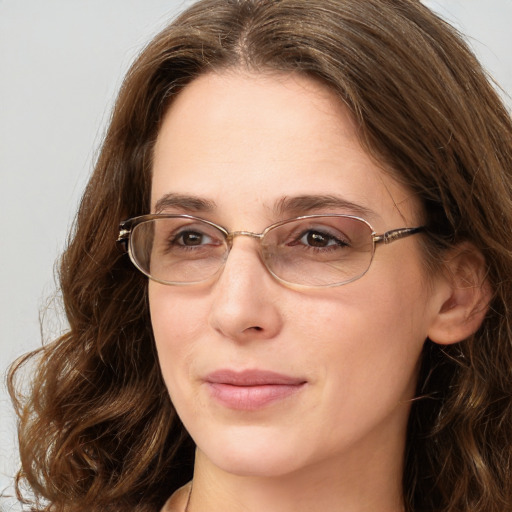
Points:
(126, 227)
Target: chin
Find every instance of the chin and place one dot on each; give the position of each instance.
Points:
(247, 452)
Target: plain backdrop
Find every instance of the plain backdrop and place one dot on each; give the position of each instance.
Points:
(61, 63)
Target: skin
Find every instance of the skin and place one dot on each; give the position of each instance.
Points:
(243, 142)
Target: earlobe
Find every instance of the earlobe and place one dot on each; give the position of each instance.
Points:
(462, 308)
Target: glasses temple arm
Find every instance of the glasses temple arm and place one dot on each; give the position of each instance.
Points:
(397, 234)
(122, 238)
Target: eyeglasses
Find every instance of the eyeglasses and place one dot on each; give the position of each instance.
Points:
(310, 251)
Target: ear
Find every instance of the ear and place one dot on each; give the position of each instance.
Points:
(465, 298)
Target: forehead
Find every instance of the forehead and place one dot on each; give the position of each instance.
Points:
(248, 142)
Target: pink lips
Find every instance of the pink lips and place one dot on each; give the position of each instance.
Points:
(251, 389)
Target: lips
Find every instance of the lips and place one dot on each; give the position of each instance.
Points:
(251, 389)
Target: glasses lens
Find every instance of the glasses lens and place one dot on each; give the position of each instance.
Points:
(319, 251)
(177, 250)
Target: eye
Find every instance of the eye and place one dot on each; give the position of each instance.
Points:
(192, 238)
(320, 239)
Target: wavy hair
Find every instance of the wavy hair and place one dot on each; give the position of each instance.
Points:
(98, 430)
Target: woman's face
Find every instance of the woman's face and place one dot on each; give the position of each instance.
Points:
(266, 378)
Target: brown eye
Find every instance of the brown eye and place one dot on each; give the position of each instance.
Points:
(319, 239)
(316, 239)
(190, 238)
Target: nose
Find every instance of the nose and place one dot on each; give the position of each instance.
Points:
(245, 302)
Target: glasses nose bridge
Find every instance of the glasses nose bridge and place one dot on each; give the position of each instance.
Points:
(229, 238)
(233, 234)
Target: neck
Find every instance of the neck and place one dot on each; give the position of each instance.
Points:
(359, 484)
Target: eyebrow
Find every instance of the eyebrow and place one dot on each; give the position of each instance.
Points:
(299, 205)
(286, 206)
(184, 202)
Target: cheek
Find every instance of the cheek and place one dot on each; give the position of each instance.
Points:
(366, 335)
(178, 322)
(363, 315)
(171, 318)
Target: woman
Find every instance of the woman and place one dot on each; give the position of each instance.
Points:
(320, 195)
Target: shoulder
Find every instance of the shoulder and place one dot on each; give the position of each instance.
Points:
(178, 501)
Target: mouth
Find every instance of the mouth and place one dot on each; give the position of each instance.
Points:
(251, 389)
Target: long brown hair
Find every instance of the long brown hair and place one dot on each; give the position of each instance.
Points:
(98, 431)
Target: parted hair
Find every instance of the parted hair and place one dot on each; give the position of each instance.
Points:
(97, 430)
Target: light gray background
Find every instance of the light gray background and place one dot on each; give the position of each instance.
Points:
(61, 63)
